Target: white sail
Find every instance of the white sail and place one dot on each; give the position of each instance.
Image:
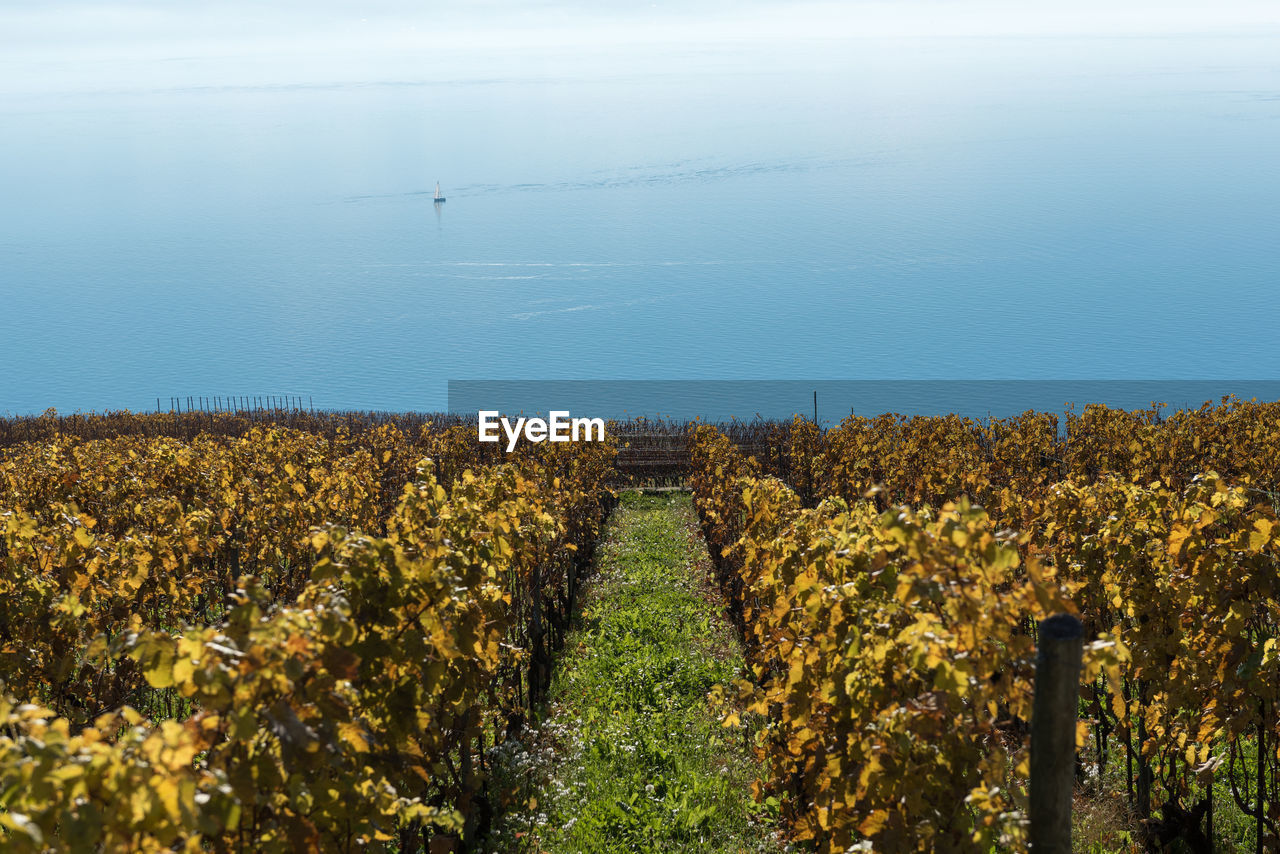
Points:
(437, 189)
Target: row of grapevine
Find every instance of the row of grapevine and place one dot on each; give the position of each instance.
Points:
(1187, 579)
(186, 426)
(933, 459)
(892, 655)
(1180, 575)
(304, 686)
(98, 532)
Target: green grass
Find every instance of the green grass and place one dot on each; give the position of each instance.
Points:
(630, 756)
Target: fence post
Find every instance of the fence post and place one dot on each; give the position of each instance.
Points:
(1053, 733)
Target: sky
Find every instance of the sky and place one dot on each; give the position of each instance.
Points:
(91, 46)
(159, 28)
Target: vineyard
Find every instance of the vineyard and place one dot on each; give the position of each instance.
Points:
(313, 631)
(889, 590)
(276, 640)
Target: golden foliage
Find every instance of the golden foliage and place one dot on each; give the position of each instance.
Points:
(328, 689)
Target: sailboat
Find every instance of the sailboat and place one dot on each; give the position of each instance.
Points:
(439, 198)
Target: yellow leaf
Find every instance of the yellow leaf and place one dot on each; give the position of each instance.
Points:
(871, 825)
(353, 735)
(1261, 534)
(183, 669)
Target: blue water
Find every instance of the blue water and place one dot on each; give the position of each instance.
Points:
(859, 209)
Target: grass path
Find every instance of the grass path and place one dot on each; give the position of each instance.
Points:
(630, 757)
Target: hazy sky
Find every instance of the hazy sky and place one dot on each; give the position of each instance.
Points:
(136, 45)
(161, 27)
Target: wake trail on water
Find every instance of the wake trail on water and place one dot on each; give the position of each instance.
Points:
(645, 176)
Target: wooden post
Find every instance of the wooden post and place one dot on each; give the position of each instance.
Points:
(1053, 733)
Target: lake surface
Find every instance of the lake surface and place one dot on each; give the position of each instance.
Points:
(846, 209)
